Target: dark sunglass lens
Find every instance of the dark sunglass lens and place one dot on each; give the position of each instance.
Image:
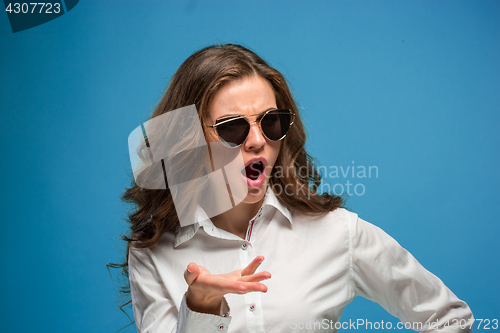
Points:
(275, 124)
(233, 131)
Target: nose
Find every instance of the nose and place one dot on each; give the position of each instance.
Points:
(255, 139)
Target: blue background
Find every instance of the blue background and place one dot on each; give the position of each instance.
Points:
(412, 87)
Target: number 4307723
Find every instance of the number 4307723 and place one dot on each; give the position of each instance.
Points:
(25, 8)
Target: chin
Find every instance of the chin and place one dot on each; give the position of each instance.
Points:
(255, 194)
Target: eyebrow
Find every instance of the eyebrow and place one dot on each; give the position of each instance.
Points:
(242, 115)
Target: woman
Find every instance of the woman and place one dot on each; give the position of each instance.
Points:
(284, 259)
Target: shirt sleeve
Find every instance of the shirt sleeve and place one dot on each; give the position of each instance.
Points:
(386, 273)
(155, 311)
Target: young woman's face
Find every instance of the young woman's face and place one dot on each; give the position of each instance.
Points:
(248, 96)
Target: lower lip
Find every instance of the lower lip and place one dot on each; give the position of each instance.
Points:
(255, 183)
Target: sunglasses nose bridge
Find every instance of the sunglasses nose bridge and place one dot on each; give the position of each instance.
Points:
(255, 133)
(256, 122)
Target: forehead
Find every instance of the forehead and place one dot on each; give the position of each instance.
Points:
(246, 96)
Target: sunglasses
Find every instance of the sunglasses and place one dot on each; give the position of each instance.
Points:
(233, 130)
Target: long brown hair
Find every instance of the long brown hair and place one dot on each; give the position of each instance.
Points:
(196, 82)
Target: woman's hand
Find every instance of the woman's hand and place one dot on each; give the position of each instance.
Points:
(205, 291)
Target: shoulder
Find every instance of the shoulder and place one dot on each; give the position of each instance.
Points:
(334, 225)
(340, 222)
(337, 217)
(150, 255)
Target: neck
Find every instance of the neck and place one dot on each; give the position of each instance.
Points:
(236, 219)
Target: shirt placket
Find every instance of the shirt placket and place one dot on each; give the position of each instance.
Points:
(253, 308)
(251, 224)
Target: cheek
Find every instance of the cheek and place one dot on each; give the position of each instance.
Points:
(210, 135)
(274, 151)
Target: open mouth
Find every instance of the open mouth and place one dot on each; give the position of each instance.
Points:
(254, 170)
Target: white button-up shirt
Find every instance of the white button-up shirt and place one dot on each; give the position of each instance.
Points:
(318, 265)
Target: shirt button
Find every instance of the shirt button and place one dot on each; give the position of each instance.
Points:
(244, 246)
(251, 308)
(221, 327)
(226, 314)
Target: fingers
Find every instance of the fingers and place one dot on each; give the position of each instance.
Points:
(237, 282)
(191, 273)
(230, 286)
(257, 287)
(252, 267)
(225, 284)
(256, 277)
(234, 287)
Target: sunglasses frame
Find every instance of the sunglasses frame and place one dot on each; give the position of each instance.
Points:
(258, 121)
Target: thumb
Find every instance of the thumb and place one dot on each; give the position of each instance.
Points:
(191, 273)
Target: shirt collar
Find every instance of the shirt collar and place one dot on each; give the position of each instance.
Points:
(272, 200)
(200, 218)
